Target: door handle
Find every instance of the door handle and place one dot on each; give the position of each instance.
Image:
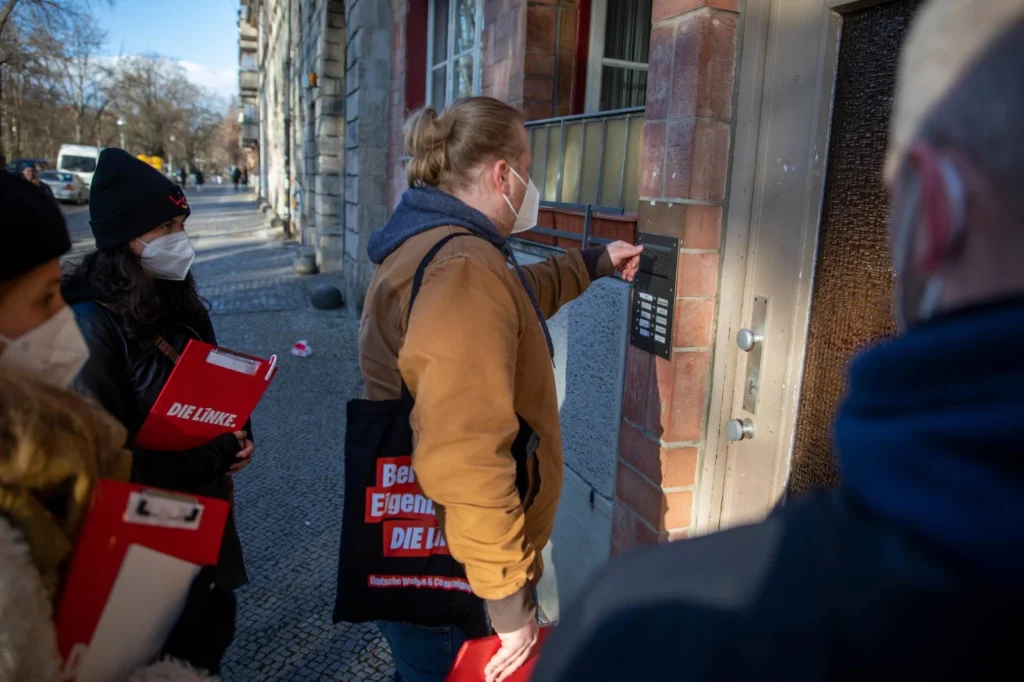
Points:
(747, 339)
(737, 430)
(752, 342)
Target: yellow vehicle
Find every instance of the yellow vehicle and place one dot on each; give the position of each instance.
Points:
(154, 161)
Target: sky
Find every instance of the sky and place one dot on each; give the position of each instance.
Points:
(200, 34)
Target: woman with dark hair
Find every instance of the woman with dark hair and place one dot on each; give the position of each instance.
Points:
(54, 447)
(136, 302)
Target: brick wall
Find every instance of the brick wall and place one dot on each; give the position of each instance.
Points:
(527, 60)
(528, 51)
(683, 182)
(504, 49)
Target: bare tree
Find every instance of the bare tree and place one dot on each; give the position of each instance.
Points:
(83, 80)
(202, 120)
(153, 94)
(32, 103)
(52, 13)
(226, 149)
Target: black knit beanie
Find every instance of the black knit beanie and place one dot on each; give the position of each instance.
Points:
(128, 198)
(32, 227)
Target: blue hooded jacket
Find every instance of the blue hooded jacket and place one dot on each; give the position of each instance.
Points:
(912, 570)
(424, 208)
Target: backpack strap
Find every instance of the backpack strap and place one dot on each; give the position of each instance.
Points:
(167, 349)
(417, 282)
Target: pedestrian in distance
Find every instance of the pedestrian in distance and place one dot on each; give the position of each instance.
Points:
(136, 302)
(199, 180)
(914, 567)
(54, 446)
(236, 177)
(31, 173)
(474, 356)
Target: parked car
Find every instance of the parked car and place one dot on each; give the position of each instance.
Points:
(66, 186)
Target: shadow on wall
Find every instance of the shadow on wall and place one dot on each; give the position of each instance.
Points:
(589, 336)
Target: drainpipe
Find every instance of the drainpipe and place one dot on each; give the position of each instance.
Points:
(288, 124)
(579, 63)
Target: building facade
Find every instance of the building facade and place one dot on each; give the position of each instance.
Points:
(318, 122)
(751, 131)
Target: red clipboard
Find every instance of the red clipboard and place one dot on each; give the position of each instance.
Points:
(212, 391)
(126, 519)
(477, 653)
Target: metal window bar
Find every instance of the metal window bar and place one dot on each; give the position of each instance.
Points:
(588, 210)
(561, 166)
(579, 161)
(605, 188)
(624, 64)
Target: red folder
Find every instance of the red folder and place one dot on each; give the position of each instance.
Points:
(128, 519)
(212, 391)
(477, 653)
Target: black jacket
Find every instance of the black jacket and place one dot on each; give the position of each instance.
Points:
(913, 570)
(821, 591)
(126, 379)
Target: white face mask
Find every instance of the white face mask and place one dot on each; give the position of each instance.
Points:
(54, 351)
(168, 257)
(526, 216)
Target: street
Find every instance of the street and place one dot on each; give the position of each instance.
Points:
(289, 499)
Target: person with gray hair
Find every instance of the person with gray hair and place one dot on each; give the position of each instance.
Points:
(914, 567)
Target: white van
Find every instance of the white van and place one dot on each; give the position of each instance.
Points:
(79, 159)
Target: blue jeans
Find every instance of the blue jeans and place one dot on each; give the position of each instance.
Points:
(422, 654)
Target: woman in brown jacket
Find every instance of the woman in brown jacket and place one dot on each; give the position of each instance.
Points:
(476, 356)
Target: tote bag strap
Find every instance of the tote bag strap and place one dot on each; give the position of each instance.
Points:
(417, 282)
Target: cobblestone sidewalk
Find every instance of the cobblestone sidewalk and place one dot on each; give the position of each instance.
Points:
(289, 499)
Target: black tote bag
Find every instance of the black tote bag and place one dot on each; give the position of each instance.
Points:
(394, 564)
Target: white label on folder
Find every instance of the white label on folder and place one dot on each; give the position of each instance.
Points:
(142, 608)
(235, 363)
(154, 509)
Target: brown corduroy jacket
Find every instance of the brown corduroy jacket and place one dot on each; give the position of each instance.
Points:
(474, 357)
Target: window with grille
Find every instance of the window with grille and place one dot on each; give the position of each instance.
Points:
(620, 40)
(453, 50)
